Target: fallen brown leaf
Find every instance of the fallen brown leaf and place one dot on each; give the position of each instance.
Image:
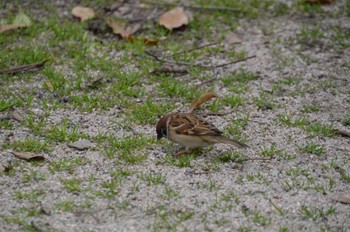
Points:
(119, 28)
(345, 199)
(174, 18)
(202, 99)
(10, 27)
(232, 38)
(84, 13)
(28, 156)
(16, 115)
(343, 133)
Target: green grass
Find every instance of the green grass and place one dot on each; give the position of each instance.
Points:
(32, 196)
(72, 185)
(240, 76)
(6, 104)
(152, 178)
(127, 149)
(318, 128)
(67, 164)
(313, 148)
(181, 161)
(316, 214)
(29, 145)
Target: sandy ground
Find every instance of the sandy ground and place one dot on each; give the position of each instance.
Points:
(293, 191)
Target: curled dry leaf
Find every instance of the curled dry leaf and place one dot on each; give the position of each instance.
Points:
(28, 156)
(125, 31)
(174, 18)
(119, 28)
(84, 13)
(202, 99)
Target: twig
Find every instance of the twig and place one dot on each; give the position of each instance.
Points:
(192, 49)
(23, 68)
(170, 61)
(132, 130)
(169, 70)
(188, 64)
(263, 159)
(206, 82)
(232, 62)
(211, 8)
(215, 8)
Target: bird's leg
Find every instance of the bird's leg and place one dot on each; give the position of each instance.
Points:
(182, 152)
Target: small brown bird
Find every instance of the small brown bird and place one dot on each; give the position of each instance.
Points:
(191, 131)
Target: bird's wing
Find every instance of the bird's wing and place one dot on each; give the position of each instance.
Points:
(189, 124)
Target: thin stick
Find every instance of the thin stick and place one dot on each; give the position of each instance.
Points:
(206, 82)
(263, 159)
(198, 65)
(23, 68)
(169, 70)
(232, 62)
(192, 49)
(171, 62)
(211, 8)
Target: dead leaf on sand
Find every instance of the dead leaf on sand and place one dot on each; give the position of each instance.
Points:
(28, 156)
(174, 18)
(84, 13)
(202, 99)
(126, 31)
(119, 28)
(345, 199)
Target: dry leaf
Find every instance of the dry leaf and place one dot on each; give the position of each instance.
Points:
(345, 199)
(126, 31)
(202, 99)
(232, 38)
(10, 27)
(174, 18)
(343, 133)
(84, 13)
(28, 156)
(119, 28)
(16, 115)
(20, 21)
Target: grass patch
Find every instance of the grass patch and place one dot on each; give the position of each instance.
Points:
(313, 148)
(29, 145)
(126, 149)
(67, 164)
(152, 178)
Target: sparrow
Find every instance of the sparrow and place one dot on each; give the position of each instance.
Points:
(191, 131)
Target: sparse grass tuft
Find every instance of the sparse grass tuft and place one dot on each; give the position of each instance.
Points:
(29, 145)
(313, 148)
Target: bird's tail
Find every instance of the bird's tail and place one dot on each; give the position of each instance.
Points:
(223, 139)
